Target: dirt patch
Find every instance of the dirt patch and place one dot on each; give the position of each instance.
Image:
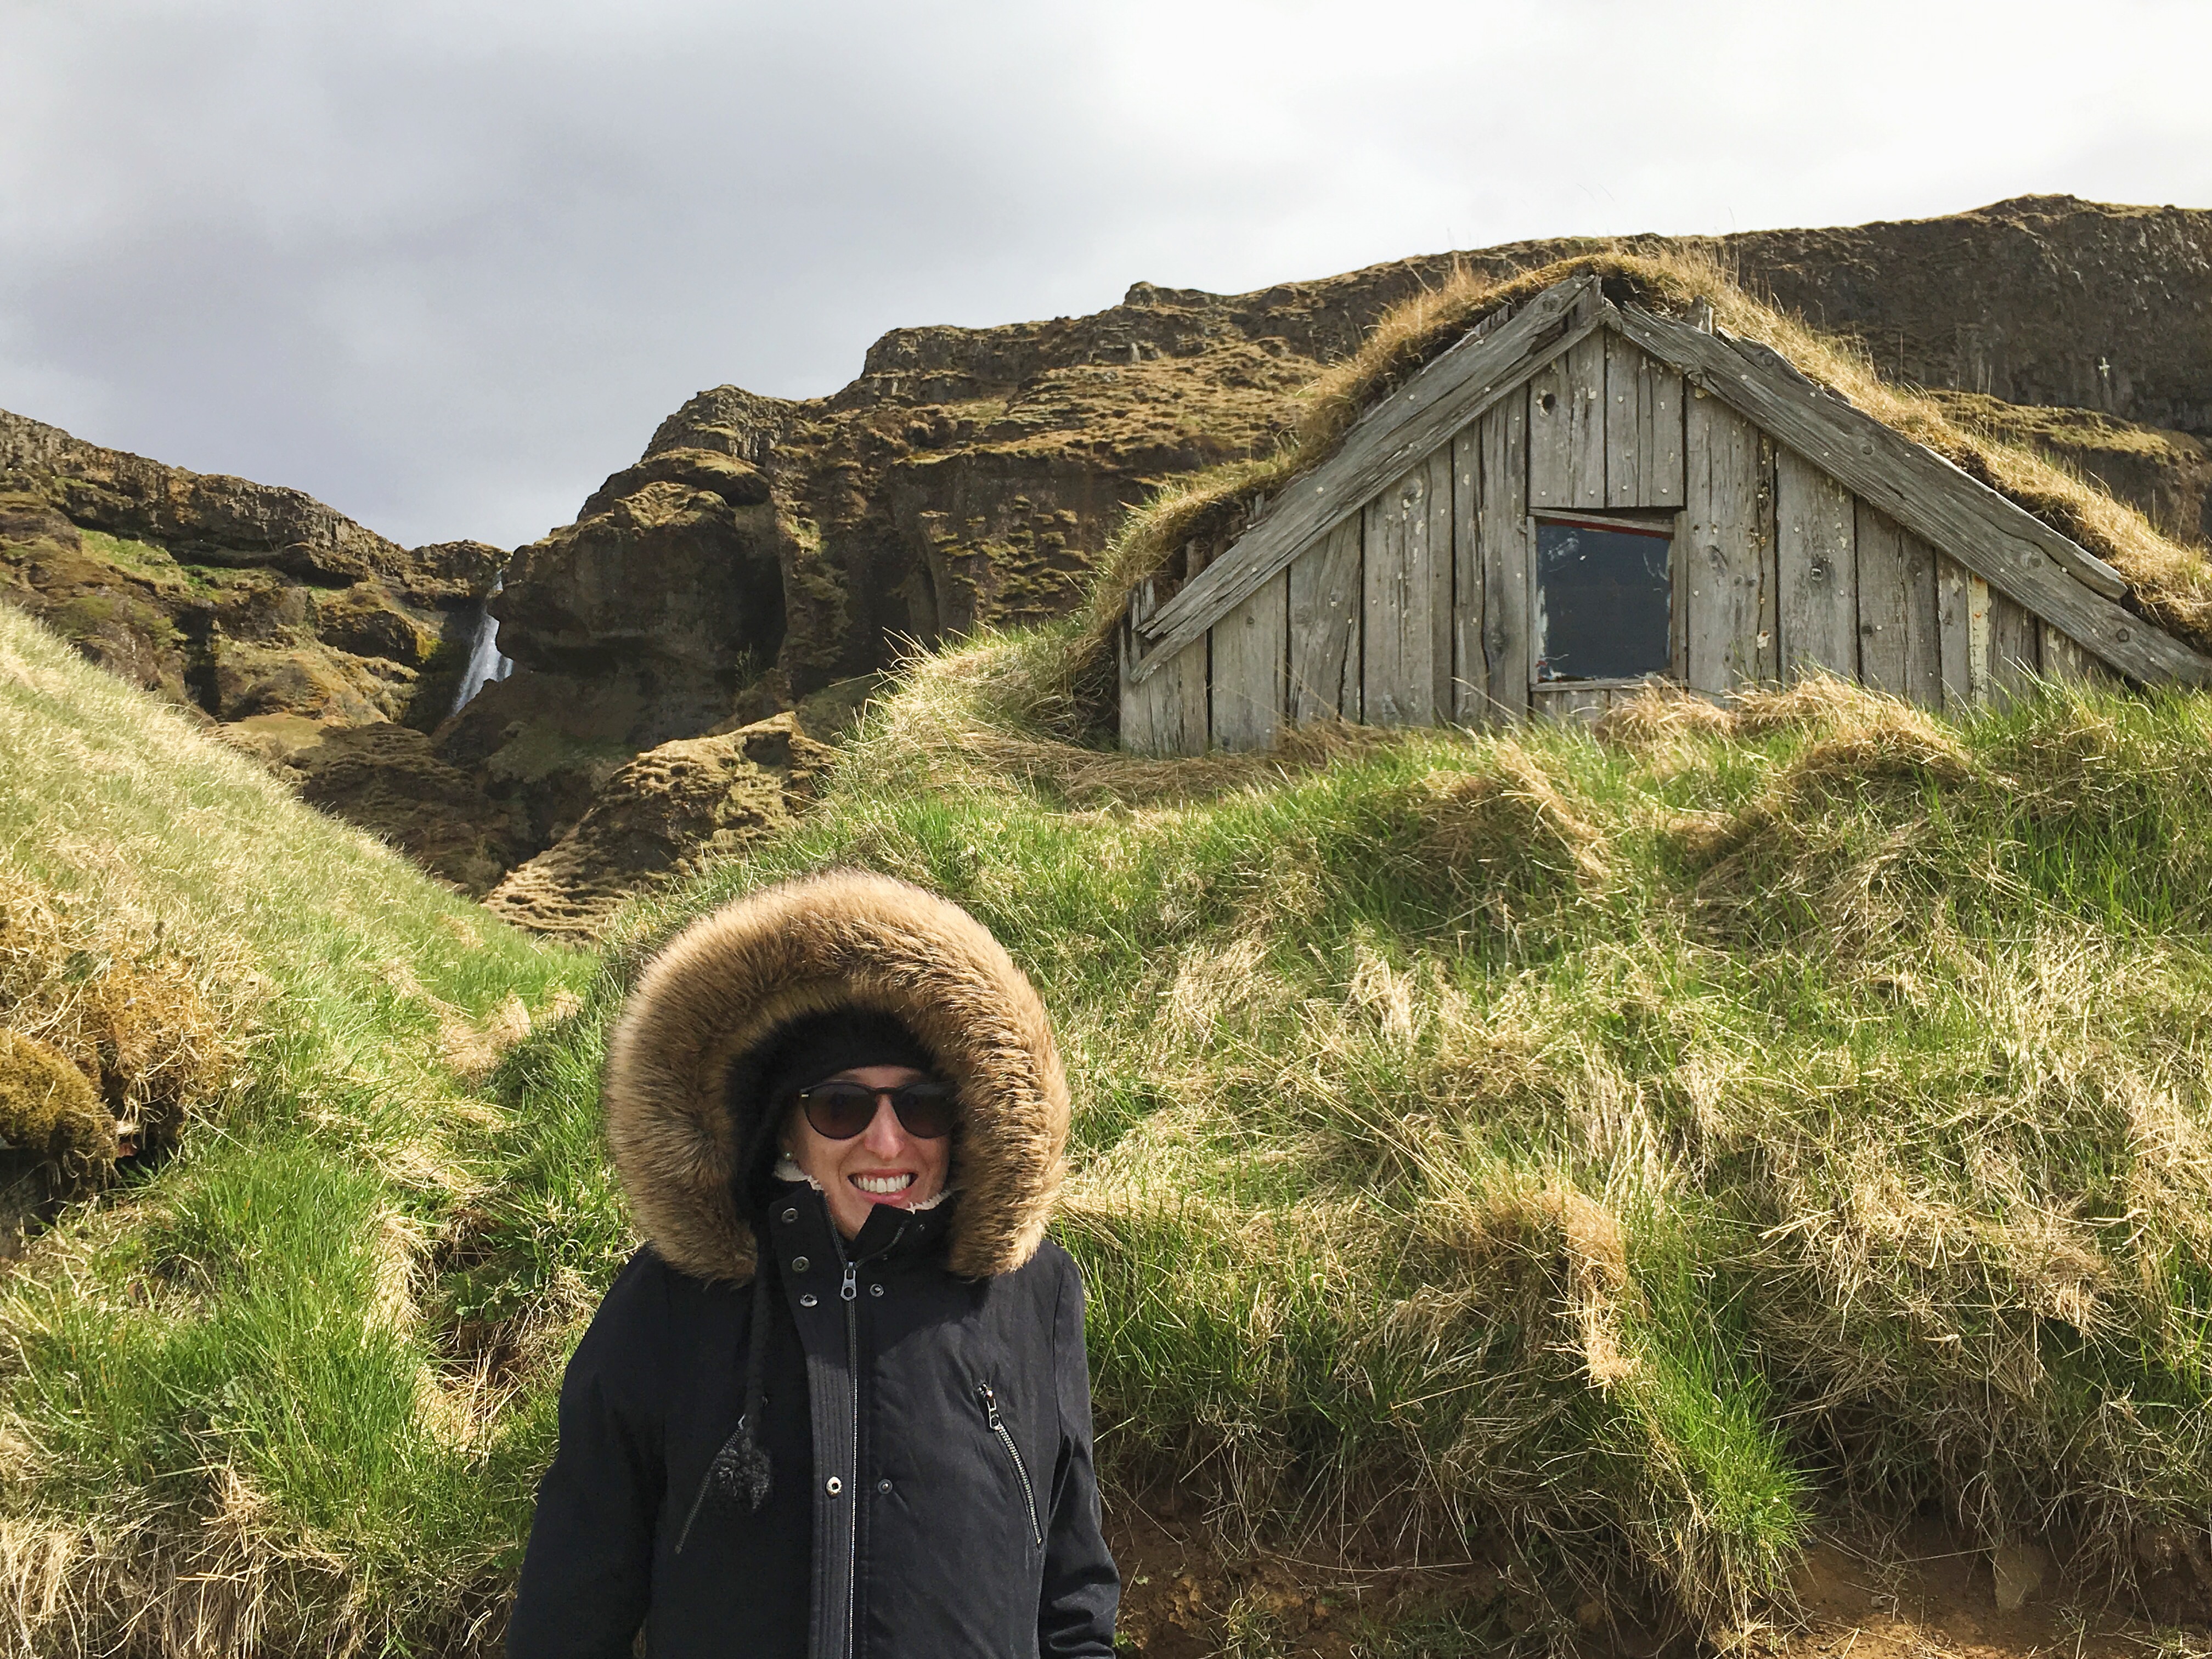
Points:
(1926, 1593)
(1187, 1593)
(1919, 1593)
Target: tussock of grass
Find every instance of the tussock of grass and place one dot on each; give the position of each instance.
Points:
(49, 1112)
(230, 1420)
(154, 1031)
(1195, 517)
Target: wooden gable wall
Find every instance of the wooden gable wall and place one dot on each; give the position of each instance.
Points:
(1415, 609)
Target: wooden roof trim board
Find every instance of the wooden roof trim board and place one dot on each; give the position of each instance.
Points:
(2011, 548)
(1454, 388)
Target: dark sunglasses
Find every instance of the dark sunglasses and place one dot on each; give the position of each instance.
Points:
(838, 1111)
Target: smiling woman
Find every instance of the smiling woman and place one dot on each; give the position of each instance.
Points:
(865, 1123)
(841, 1400)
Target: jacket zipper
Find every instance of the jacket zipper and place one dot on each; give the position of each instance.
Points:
(850, 1292)
(989, 1398)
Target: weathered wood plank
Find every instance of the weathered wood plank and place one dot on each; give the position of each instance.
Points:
(1725, 554)
(1325, 601)
(2022, 557)
(1444, 579)
(1898, 648)
(1642, 427)
(1969, 680)
(1406, 613)
(1585, 704)
(1978, 638)
(1677, 599)
(1816, 565)
(2015, 656)
(1403, 428)
(1249, 647)
(1924, 650)
(1884, 603)
(1166, 714)
(2065, 660)
(1624, 408)
(1504, 550)
(1470, 666)
(1954, 627)
(1567, 429)
(1659, 435)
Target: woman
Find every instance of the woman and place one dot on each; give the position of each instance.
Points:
(839, 1404)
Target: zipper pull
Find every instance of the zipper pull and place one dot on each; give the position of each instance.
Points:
(983, 1392)
(848, 1290)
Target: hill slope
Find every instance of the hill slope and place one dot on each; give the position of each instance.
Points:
(1594, 1165)
(228, 1427)
(761, 548)
(971, 476)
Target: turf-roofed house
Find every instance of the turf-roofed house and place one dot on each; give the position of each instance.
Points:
(1591, 490)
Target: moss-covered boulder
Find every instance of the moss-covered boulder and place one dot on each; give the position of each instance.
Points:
(659, 815)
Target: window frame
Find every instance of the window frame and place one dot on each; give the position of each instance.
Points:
(1648, 520)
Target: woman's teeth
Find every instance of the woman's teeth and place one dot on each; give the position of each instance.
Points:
(885, 1184)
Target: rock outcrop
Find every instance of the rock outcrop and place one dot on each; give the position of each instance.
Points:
(2042, 300)
(386, 778)
(236, 599)
(659, 815)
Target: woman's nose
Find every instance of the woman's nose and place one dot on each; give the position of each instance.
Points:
(886, 1135)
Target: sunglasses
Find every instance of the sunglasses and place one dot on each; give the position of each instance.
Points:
(838, 1111)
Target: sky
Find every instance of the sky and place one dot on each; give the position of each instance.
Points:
(446, 265)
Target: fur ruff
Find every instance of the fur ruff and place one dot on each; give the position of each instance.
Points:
(675, 1081)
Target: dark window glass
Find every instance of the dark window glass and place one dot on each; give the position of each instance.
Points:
(1601, 602)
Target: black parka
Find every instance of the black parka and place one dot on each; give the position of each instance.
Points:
(927, 1425)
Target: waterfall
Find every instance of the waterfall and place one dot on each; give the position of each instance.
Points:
(485, 661)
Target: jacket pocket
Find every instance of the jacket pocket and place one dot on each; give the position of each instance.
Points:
(988, 1398)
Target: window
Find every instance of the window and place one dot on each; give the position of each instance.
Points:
(1602, 600)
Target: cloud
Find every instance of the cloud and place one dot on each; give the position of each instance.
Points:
(446, 265)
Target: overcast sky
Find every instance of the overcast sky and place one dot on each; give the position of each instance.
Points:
(445, 265)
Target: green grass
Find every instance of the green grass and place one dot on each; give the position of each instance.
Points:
(1612, 1160)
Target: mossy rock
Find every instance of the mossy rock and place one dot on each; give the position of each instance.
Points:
(49, 1109)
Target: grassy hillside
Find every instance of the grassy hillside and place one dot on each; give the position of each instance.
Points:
(1608, 1159)
(226, 1423)
(1613, 1158)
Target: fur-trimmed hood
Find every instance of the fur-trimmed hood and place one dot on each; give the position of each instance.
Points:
(680, 1108)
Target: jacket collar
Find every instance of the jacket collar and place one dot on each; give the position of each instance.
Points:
(889, 1234)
